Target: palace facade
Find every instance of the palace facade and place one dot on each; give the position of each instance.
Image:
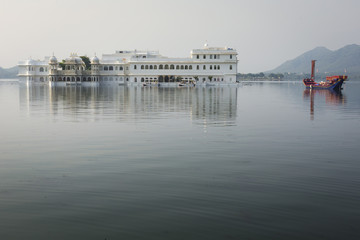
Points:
(209, 65)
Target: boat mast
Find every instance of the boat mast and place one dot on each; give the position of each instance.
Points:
(313, 70)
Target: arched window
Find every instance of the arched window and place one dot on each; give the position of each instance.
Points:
(142, 66)
(230, 66)
(218, 67)
(89, 79)
(214, 56)
(171, 66)
(134, 67)
(210, 67)
(204, 67)
(151, 67)
(197, 56)
(106, 68)
(230, 56)
(121, 68)
(190, 67)
(182, 67)
(146, 66)
(161, 66)
(41, 69)
(204, 56)
(186, 67)
(73, 79)
(197, 67)
(166, 66)
(111, 68)
(177, 67)
(155, 67)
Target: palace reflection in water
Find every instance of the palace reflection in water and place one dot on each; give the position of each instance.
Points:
(204, 105)
(332, 97)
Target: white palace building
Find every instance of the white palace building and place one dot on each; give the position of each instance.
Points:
(210, 65)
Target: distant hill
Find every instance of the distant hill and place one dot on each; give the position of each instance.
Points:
(329, 62)
(9, 72)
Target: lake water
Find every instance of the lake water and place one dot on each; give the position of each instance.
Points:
(263, 160)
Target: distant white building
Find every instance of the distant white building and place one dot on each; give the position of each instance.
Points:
(210, 65)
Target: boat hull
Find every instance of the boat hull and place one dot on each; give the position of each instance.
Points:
(334, 86)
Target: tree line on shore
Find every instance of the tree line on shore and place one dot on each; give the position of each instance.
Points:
(260, 76)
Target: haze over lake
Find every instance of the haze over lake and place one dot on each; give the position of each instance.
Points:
(261, 160)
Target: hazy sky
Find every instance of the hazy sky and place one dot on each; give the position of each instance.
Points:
(265, 32)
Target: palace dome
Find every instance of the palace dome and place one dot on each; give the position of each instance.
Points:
(95, 60)
(73, 59)
(30, 62)
(53, 59)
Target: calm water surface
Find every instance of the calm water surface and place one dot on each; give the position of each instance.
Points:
(257, 161)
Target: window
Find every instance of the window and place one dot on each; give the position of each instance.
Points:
(211, 56)
(41, 69)
(190, 67)
(171, 66)
(204, 56)
(121, 68)
(116, 68)
(161, 66)
(155, 67)
(230, 56)
(230, 67)
(166, 66)
(151, 67)
(197, 56)
(111, 68)
(218, 67)
(186, 67)
(134, 67)
(182, 67)
(197, 67)
(177, 67)
(204, 67)
(106, 68)
(146, 67)
(210, 67)
(142, 66)
(214, 56)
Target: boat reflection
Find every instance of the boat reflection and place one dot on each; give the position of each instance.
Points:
(332, 97)
(203, 105)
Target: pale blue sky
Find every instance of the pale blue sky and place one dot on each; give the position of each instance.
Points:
(265, 33)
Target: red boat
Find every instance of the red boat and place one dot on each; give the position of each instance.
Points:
(332, 82)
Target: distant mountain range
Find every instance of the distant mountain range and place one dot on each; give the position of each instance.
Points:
(328, 62)
(9, 72)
